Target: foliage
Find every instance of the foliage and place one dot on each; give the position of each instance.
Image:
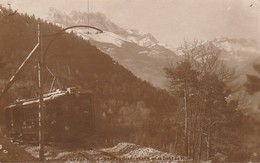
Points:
(126, 107)
(209, 121)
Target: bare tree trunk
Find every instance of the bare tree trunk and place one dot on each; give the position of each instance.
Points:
(190, 131)
(209, 145)
(195, 132)
(176, 140)
(186, 124)
(209, 135)
(200, 129)
(200, 145)
(203, 125)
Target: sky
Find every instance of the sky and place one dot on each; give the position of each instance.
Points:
(170, 21)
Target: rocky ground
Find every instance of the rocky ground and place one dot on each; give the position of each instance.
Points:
(23, 152)
(121, 152)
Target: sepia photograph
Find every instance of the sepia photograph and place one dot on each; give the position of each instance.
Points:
(129, 81)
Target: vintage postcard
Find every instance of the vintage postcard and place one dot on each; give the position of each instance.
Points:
(129, 80)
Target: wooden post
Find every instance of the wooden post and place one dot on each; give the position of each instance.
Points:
(41, 109)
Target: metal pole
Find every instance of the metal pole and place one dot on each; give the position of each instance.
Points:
(41, 107)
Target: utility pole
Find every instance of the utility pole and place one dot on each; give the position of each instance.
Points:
(40, 66)
(41, 105)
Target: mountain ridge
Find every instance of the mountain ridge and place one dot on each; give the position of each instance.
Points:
(126, 46)
(141, 52)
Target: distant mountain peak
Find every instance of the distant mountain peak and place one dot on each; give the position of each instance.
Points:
(138, 51)
(100, 20)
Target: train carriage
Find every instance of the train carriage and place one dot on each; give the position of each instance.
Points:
(68, 115)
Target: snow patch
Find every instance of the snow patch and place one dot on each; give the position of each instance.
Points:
(129, 31)
(146, 42)
(107, 37)
(166, 46)
(132, 39)
(143, 52)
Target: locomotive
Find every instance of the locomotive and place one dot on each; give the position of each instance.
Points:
(68, 115)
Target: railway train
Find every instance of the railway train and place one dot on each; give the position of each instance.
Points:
(68, 115)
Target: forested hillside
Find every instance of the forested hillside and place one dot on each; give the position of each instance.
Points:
(125, 104)
(128, 109)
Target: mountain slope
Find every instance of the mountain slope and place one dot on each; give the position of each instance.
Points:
(70, 57)
(139, 52)
(126, 107)
(237, 51)
(241, 54)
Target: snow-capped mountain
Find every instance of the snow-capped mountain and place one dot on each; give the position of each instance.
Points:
(238, 51)
(139, 52)
(146, 57)
(242, 54)
(101, 21)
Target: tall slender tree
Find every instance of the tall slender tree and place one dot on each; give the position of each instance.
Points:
(200, 82)
(183, 80)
